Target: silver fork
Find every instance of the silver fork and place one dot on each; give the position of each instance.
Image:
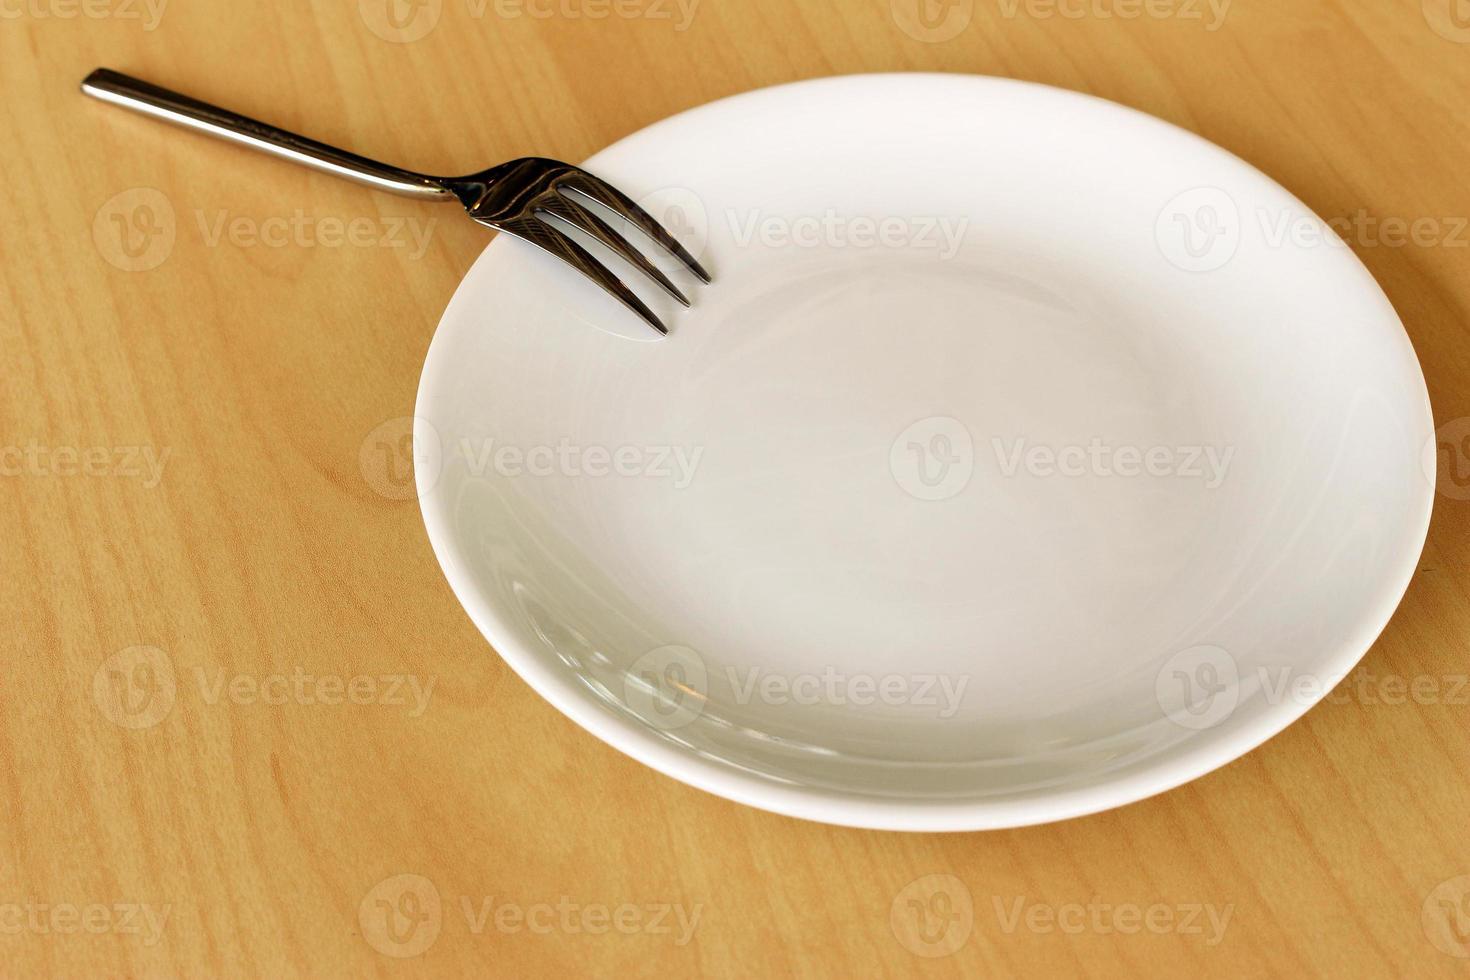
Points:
(515, 197)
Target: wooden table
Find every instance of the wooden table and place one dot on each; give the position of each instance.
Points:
(209, 762)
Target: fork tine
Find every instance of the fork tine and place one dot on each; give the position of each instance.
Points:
(548, 239)
(584, 220)
(610, 197)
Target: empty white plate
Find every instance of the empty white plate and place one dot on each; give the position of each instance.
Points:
(1028, 456)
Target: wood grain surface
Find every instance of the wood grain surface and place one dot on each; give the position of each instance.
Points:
(240, 703)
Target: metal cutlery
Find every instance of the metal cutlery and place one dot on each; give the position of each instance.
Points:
(517, 197)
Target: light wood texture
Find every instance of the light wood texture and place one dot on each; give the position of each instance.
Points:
(263, 549)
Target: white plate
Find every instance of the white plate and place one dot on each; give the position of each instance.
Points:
(862, 541)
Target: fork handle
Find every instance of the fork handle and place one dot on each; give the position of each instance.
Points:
(152, 100)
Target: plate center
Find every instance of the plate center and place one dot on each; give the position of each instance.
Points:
(928, 466)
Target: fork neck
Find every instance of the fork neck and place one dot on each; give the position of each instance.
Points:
(474, 190)
(508, 189)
